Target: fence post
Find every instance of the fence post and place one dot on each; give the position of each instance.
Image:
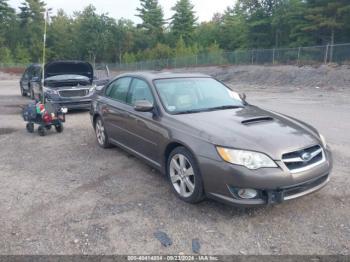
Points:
(196, 59)
(273, 56)
(326, 54)
(331, 53)
(299, 49)
(252, 56)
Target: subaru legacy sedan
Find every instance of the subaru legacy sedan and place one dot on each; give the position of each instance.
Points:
(209, 141)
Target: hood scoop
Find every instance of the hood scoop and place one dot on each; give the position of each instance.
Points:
(256, 120)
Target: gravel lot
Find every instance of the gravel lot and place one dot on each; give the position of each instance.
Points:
(62, 194)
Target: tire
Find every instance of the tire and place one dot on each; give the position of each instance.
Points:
(31, 91)
(23, 93)
(59, 128)
(101, 135)
(41, 131)
(184, 176)
(30, 127)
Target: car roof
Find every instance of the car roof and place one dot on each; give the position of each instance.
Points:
(151, 75)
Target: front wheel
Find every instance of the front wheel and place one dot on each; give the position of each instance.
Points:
(101, 134)
(41, 131)
(32, 94)
(184, 176)
(59, 128)
(23, 93)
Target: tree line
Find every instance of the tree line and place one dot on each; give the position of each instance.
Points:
(248, 24)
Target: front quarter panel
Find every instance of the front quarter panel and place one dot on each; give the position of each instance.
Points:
(175, 132)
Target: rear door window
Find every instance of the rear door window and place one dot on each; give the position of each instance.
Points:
(118, 90)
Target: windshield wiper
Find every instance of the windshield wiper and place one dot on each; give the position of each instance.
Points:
(208, 109)
(190, 111)
(223, 107)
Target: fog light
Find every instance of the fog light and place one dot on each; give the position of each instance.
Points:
(247, 193)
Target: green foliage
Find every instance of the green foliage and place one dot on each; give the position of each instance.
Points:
(233, 29)
(326, 18)
(31, 20)
(247, 24)
(60, 38)
(22, 55)
(183, 21)
(129, 58)
(160, 51)
(152, 17)
(5, 56)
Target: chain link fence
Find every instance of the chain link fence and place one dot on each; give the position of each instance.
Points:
(312, 55)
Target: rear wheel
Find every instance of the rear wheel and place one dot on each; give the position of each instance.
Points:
(184, 176)
(41, 131)
(59, 128)
(30, 127)
(101, 134)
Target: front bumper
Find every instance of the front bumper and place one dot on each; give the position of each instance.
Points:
(71, 102)
(274, 185)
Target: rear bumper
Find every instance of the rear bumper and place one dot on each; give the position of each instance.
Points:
(274, 185)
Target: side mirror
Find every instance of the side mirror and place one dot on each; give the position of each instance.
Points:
(143, 106)
(243, 96)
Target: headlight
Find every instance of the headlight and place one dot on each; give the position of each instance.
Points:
(50, 90)
(249, 159)
(92, 89)
(323, 140)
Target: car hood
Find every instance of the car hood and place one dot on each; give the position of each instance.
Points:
(69, 68)
(250, 128)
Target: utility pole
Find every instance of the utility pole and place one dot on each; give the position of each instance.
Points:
(46, 17)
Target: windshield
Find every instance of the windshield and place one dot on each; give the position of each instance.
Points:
(190, 95)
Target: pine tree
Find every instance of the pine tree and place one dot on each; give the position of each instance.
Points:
(183, 21)
(326, 18)
(152, 17)
(7, 18)
(31, 18)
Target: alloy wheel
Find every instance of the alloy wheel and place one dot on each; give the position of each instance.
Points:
(100, 132)
(182, 175)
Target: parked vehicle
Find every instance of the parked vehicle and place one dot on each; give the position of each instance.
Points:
(30, 78)
(209, 140)
(66, 83)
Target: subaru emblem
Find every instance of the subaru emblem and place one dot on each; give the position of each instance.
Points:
(306, 156)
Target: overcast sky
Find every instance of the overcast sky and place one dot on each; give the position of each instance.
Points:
(127, 8)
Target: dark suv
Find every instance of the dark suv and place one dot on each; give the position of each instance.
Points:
(66, 83)
(30, 80)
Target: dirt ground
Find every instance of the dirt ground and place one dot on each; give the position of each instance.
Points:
(62, 194)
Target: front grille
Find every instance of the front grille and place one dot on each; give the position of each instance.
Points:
(290, 191)
(74, 93)
(304, 159)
